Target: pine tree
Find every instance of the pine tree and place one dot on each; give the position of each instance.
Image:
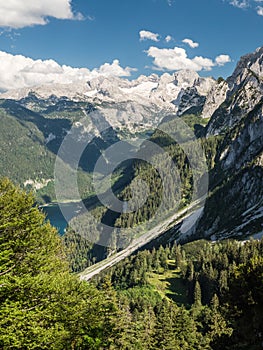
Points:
(164, 338)
(197, 294)
(244, 310)
(42, 305)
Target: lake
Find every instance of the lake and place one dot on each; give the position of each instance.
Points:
(55, 216)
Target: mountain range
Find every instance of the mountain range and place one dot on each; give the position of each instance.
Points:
(226, 115)
(122, 108)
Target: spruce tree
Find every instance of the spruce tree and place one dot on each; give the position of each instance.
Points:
(197, 294)
(42, 306)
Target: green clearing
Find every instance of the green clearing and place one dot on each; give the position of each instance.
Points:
(169, 283)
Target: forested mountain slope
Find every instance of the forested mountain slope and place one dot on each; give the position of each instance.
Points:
(225, 115)
(232, 142)
(170, 298)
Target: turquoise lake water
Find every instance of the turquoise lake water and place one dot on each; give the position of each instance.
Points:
(55, 216)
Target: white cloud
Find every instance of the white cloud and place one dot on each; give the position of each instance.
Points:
(146, 35)
(114, 69)
(177, 59)
(244, 4)
(241, 4)
(19, 14)
(17, 71)
(203, 63)
(260, 10)
(222, 59)
(168, 38)
(191, 43)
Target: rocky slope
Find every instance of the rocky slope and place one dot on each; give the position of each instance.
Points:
(235, 205)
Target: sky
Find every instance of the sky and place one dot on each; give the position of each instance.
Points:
(63, 41)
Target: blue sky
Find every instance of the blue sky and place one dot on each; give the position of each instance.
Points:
(92, 33)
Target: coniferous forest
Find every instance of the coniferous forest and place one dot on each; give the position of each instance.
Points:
(131, 175)
(197, 296)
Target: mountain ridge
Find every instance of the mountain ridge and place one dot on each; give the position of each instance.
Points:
(232, 138)
(163, 90)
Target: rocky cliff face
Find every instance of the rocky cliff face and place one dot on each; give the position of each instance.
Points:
(215, 97)
(235, 205)
(243, 92)
(190, 101)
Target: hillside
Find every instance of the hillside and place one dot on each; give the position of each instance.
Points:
(224, 118)
(29, 145)
(172, 298)
(203, 278)
(100, 112)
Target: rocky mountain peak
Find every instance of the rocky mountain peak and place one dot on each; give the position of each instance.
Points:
(185, 78)
(251, 61)
(250, 64)
(158, 92)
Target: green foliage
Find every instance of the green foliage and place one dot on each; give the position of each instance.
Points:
(220, 80)
(197, 294)
(21, 139)
(194, 121)
(25, 155)
(78, 250)
(213, 275)
(245, 311)
(42, 306)
(168, 196)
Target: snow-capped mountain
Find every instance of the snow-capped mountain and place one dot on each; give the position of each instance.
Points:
(155, 93)
(106, 109)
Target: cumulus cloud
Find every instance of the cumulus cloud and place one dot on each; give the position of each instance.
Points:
(19, 14)
(146, 35)
(17, 71)
(114, 69)
(221, 60)
(177, 59)
(191, 43)
(260, 10)
(168, 38)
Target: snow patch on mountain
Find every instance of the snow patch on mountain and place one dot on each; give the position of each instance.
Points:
(163, 91)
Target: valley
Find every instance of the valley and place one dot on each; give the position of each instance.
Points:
(224, 117)
(131, 175)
